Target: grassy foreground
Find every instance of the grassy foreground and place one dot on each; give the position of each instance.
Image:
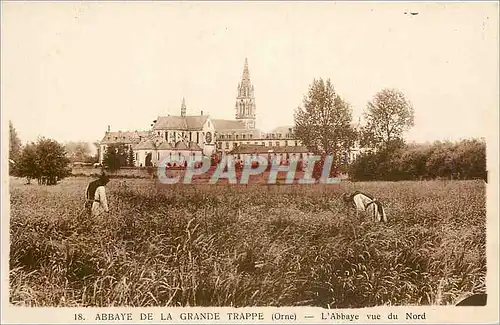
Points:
(255, 246)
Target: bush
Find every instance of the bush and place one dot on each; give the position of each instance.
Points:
(462, 160)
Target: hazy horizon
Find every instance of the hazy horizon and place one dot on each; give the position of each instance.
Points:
(71, 69)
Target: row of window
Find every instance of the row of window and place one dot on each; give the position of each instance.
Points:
(250, 136)
(270, 144)
(169, 154)
(221, 136)
(173, 136)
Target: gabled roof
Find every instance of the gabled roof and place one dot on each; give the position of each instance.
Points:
(165, 146)
(127, 137)
(291, 149)
(147, 144)
(181, 145)
(228, 125)
(170, 122)
(185, 123)
(194, 146)
(196, 122)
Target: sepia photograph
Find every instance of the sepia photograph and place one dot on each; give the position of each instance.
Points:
(249, 154)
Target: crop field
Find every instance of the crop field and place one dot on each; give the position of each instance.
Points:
(289, 245)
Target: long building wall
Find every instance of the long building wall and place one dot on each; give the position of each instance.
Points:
(228, 145)
(225, 147)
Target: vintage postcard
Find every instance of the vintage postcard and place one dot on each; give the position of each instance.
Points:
(249, 162)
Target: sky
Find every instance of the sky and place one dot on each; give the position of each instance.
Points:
(68, 70)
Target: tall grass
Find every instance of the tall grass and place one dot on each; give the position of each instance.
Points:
(246, 246)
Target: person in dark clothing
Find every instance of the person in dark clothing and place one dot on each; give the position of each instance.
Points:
(95, 196)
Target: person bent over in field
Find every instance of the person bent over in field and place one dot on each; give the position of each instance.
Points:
(95, 196)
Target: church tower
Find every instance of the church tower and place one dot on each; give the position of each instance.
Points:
(183, 107)
(245, 101)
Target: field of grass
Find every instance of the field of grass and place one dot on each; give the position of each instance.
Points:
(246, 246)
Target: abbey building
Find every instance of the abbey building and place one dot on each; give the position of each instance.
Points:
(187, 135)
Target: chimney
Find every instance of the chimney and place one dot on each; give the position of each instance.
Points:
(109, 128)
(201, 112)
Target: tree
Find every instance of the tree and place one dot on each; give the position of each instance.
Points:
(46, 161)
(26, 165)
(412, 162)
(115, 156)
(469, 160)
(14, 147)
(324, 123)
(440, 162)
(52, 161)
(131, 158)
(388, 116)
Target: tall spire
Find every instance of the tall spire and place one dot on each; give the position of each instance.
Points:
(245, 102)
(245, 79)
(183, 107)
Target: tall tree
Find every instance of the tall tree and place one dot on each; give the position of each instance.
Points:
(52, 161)
(46, 161)
(324, 123)
(388, 116)
(26, 166)
(131, 158)
(14, 144)
(115, 157)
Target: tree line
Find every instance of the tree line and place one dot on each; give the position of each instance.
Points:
(45, 160)
(120, 155)
(441, 160)
(324, 125)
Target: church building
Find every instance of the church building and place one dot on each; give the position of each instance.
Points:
(187, 135)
